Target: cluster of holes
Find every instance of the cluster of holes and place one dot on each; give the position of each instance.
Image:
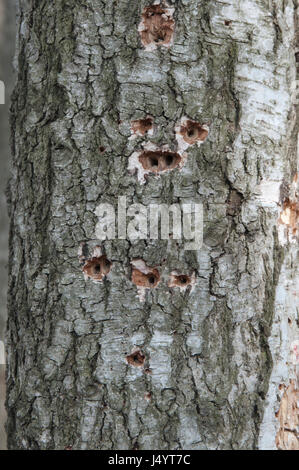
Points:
(149, 280)
(97, 268)
(157, 26)
(193, 132)
(136, 358)
(158, 161)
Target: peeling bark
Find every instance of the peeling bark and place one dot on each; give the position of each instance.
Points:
(83, 78)
(288, 416)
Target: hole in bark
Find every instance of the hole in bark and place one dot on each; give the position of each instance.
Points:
(142, 126)
(227, 22)
(157, 26)
(151, 279)
(158, 161)
(193, 132)
(169, 160)
(148, 280)
(136, 359)
(190, 132)
(160, 36)
(181, 280)
(154, 162)
(234, 202)
(97, 268)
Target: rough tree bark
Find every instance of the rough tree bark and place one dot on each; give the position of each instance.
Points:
(7, 41)
(217, 358)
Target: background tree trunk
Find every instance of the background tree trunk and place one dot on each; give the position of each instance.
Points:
(83, 76)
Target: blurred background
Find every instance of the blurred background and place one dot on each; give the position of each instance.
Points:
(7, 43)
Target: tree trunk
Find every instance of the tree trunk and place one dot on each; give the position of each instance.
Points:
(7, 41)
(211, 357)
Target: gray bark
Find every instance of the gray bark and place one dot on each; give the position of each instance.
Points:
(83, 76)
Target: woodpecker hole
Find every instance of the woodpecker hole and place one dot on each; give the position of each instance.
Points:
(158, 161)
(147, 280)
(136, 359)
(142, 126)
(181, 280)
(97, 268)
(193, 132)
(154, 162)
(157, 27)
